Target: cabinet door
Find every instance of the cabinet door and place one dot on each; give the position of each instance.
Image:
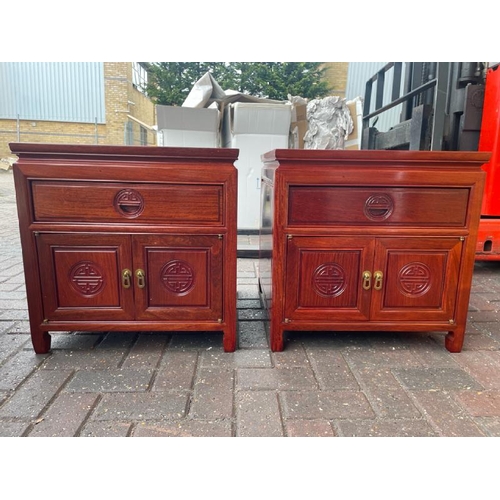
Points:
(81, 276)
(419, 279)
(182, 277)
(324, 278)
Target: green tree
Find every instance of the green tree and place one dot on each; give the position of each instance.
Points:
(170, 82)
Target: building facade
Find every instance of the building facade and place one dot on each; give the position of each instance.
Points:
(336, 76)
(75, 103)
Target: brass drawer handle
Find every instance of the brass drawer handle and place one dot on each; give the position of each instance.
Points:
(367, 280)
(378, 275)
(126, 278)
(141, 278)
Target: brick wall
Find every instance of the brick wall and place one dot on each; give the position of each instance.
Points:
(48, 132)
(116, 80)
(336, 75)
(122, 100)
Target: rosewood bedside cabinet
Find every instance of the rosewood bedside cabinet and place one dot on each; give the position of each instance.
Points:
(125, 238)
(369, 240)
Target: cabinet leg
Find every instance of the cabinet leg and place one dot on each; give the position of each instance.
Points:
(229, 339)
(41, 341)
(454, 341)
(276, 336)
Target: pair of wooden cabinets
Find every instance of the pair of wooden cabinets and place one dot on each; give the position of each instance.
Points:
(128, 238)
(136, 238)
(369, 240)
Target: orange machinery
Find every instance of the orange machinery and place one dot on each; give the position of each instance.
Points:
(488, 242)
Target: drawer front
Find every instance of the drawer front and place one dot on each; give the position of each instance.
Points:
(123, 202)
(333, 205)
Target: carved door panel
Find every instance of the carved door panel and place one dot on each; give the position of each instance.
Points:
(178, 277)
(81, 276)
(419, 278)
(324, 278)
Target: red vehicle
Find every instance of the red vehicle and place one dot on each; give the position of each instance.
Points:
(488, 243)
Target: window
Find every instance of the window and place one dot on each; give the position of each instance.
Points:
(144, 136)
(129, 133)
(139, 77)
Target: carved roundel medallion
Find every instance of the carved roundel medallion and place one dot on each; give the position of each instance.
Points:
(414, 279)
(329, 280)
(177, 277)
(129, 203)
(86, 278)
(378, 207)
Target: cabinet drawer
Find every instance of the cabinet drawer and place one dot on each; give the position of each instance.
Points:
(405, 206)
(127, 202)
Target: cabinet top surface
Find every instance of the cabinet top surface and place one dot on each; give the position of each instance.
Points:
(319, 156)
(107, 152)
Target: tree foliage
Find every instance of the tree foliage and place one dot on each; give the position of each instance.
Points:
(170, 82)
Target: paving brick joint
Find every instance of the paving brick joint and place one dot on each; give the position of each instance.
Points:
(335, 384)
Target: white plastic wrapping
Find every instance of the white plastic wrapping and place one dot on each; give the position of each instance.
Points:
(206, 92)
(329, 123)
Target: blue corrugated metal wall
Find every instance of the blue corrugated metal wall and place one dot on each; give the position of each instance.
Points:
(358, 74)
(54, 91)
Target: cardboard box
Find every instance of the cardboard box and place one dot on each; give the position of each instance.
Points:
(254, 129)
(188, 127)
(299, 112)
(297, 132)
(354, 138)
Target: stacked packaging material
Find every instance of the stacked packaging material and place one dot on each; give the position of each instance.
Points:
(329, 123)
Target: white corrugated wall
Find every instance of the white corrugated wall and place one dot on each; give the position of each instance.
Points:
(55, 91)
(358, 74)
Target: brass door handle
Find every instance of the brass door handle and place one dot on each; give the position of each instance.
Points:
(141, 278)
(378, 276)
(367, 280)
(126, 278)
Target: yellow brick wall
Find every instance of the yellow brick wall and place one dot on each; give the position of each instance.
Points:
(116, 79)
(143, 109)
(336, 75)
(121, 99)
(48, 132)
